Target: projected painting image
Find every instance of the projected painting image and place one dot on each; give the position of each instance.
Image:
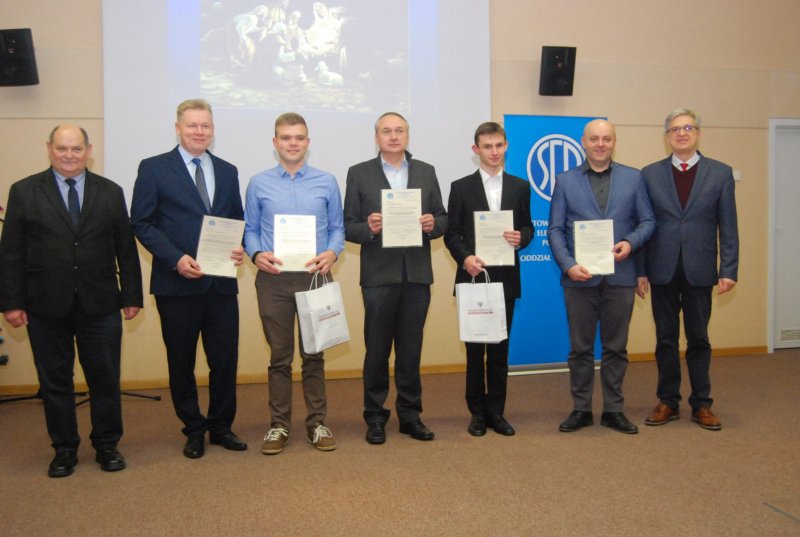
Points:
(343, 55)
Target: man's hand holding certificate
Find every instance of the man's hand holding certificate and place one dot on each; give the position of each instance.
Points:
(401, 224)
(494, 237)
(594, 247)
(295, 241)
(219, 250)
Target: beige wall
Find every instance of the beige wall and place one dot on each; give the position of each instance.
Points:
(734, 62)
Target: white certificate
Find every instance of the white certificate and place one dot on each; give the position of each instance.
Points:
(295, 241)
(594, 245)
(218, 238)
(490, 245)
(400, 212)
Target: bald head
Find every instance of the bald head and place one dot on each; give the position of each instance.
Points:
(599, 139)
(69, 149)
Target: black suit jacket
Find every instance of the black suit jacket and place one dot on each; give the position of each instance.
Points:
(45, 262)
(167, 214)
(384, 266)
(467, 195)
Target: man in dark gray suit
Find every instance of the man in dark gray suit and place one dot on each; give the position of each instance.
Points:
(68, 265)
(395, 282)
(693, 198)
(599, 189)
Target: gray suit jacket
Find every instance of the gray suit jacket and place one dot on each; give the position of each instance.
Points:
(384, 266)
(692, 232)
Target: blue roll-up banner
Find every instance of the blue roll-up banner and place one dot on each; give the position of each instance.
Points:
(539, 148)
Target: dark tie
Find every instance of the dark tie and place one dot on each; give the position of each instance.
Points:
(200, 181)
(73, 204)
(684, 166)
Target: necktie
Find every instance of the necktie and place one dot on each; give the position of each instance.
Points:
(684, 166)
(73, 205)
(200, 181)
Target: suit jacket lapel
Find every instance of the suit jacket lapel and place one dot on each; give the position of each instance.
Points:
(507, 202)
(52, 194)
(89, 195)
(669, 184)
(587, 191)
(699, 179)
(382, 174)
(180, 171)
(479, 193)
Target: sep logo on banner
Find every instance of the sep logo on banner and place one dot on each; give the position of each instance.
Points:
(539, 148)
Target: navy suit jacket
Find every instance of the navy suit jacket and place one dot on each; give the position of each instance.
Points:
(46, 262)
(384, 266)
(628, 206)
(167, 214)
(692, 233)
(467, 195)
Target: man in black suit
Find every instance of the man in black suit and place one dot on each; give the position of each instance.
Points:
(395, 282)
(488, 189)
(68, 264)
(173, 192)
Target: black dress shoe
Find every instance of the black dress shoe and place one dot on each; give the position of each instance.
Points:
(376, 433)
(63, 464)
(500, 425)
(477, 425)
(618, 422)
(417, 430)
(194, 447)
(110, 460)
(228, 441)
(578, 419)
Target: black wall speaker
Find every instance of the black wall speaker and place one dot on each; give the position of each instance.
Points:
(17, 61)
(558, 70)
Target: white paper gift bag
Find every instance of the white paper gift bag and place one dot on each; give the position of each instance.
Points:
(323, 323)
(481, 312)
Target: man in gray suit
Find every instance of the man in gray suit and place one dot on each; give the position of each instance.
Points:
(693, 197)
(395, 282)
(599, 189)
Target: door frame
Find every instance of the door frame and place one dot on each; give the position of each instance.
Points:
(775, 124)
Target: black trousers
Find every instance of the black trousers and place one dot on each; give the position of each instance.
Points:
(487, 380)
(695, 302)
(215, 318)
(98, 338)
(394, 314)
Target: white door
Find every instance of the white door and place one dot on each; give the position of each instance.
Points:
(785, 230)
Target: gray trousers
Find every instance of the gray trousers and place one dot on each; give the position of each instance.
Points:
(611, 306)
(278, 310)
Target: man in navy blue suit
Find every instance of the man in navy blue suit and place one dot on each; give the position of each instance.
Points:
(695, 206)
(173, 192)
(599, 189)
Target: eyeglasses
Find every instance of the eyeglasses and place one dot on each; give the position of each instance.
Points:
(686, 128)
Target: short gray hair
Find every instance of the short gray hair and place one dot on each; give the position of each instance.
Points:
(681, 112)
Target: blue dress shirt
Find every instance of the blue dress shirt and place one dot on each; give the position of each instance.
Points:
(310, 191)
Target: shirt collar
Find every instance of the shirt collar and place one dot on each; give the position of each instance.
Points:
(187, 157)
(301, 172)
(385, 164)
(691, 162)
(486, 177)
(78, 178)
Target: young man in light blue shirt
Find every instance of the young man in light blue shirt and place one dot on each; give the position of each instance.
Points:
(291, 188)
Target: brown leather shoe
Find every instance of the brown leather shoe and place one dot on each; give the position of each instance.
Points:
(661, 414)
(706, 419)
